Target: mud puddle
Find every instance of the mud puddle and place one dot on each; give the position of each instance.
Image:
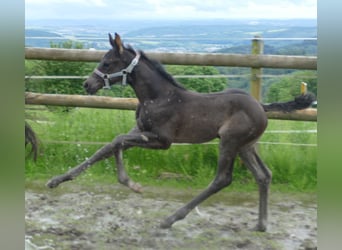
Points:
(74, 216)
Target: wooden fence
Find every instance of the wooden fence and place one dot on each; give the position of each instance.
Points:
(255, 61)
(131, 104)
(206, 59)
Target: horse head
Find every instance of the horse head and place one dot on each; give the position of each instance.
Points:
(115, 66)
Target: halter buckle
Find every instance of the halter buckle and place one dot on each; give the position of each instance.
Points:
(107, 84)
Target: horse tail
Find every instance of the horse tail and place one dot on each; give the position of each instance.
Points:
(300, 102)
(31, 138)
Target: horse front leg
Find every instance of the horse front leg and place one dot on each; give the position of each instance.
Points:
(123, 177)
(135, 139)
(103, 153)
(116, 148)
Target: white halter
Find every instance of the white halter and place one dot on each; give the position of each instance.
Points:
(123, 73)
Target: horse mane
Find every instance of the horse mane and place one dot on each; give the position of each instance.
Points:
(157, 66)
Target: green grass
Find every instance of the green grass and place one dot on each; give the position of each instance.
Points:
(63, 137)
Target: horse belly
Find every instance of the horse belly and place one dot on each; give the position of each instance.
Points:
(193, 138)
(196, 131)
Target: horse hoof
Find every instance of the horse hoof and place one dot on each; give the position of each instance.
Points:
(52, 183)
(136, 187)
(165, 225)
(259, 228)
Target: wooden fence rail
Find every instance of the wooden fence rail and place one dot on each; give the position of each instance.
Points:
(81, 101)
(207, 59)
(131, 104)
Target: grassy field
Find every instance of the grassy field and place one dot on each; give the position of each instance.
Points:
(68, 138)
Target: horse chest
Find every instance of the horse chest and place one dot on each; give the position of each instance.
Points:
(153, 115)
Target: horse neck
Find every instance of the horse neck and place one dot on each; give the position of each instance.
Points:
(149, 84)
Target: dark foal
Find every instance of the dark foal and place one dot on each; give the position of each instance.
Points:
(168, 113)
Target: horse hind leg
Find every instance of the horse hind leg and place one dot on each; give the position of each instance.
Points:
(223, 179)
(263, 178)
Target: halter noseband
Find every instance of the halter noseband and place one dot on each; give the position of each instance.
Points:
(123, 73)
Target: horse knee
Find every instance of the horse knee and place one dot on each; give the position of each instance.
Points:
(268, 175)
(228, 180)
(221, 182)
(117, 140)
(265, 178)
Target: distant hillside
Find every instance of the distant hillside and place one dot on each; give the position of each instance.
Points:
(227, 31)
(232, 36)
(42, 38)
(40, 33)
(305, 48)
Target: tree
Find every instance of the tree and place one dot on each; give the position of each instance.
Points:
(203, 85)
(288, 87)
(54, 68)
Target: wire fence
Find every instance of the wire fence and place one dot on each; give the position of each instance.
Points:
(310, 131)
(179, 144)
(177, 76)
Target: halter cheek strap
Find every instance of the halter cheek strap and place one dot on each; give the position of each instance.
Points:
(123, 73)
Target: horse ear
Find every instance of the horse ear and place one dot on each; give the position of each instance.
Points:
(117, 43)
(111, 40)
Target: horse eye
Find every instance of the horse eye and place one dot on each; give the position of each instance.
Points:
(106, 64)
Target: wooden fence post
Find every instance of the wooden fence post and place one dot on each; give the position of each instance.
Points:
(303, 88)
(257, 48)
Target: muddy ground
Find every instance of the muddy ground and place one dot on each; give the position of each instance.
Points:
(78, 216)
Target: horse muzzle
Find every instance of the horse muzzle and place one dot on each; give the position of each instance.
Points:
(91, 86)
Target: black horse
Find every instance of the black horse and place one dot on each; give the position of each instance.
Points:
(169, 113)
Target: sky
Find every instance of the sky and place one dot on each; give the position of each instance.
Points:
(170, 9)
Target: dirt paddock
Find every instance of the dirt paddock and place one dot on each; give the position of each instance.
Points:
(76, 216)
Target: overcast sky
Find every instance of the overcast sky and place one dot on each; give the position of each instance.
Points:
(170, 9)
